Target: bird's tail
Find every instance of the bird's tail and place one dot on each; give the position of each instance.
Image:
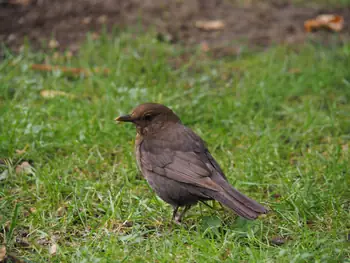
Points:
(238, 202)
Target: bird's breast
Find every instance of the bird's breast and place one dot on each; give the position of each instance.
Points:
(138, 154)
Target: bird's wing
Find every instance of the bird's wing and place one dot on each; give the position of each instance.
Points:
(179, 155)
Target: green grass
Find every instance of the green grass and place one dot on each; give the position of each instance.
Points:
(278, 122)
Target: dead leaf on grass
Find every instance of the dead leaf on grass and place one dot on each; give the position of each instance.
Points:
(24, 168)
(329, 21)
(23, 151)
(49, 94)
(73, 71)
(2, 253)
(210, 25)
(53, 249)
(61, 211)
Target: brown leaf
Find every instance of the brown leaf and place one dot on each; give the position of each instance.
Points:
(49, 94)
(210, 25)
(2, 253)
(53, 249)
(329, 21)
(74, 71)
(24, 168)
(23, 151)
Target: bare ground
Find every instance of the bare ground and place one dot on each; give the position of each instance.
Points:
(257, 23)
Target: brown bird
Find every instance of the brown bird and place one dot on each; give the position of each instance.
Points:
(178, 166)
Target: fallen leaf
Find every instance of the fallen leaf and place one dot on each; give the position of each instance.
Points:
(2, 253)
(53, 44)
(49, 94)
(24, 168)
(53, 249)
(61, 211)
(7, 225)
(210, 25)
(23, 151)
(32, 209)
(74, 71)
(329, 21)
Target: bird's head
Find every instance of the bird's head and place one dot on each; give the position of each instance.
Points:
(149, 117)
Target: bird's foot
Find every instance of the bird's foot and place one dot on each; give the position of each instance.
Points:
(177, 219)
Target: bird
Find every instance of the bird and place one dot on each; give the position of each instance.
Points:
(178, 166)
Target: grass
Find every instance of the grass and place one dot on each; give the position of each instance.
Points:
(277, 122)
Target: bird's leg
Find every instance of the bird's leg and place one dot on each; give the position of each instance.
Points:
(175, 212)
(179, 218)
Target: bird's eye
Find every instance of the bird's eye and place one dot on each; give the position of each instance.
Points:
(148, 117)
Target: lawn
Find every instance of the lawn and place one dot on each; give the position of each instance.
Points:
(277, 121)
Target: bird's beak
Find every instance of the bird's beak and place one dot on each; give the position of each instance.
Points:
(124, 118)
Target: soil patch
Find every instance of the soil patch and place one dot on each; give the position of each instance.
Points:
(257, 23)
